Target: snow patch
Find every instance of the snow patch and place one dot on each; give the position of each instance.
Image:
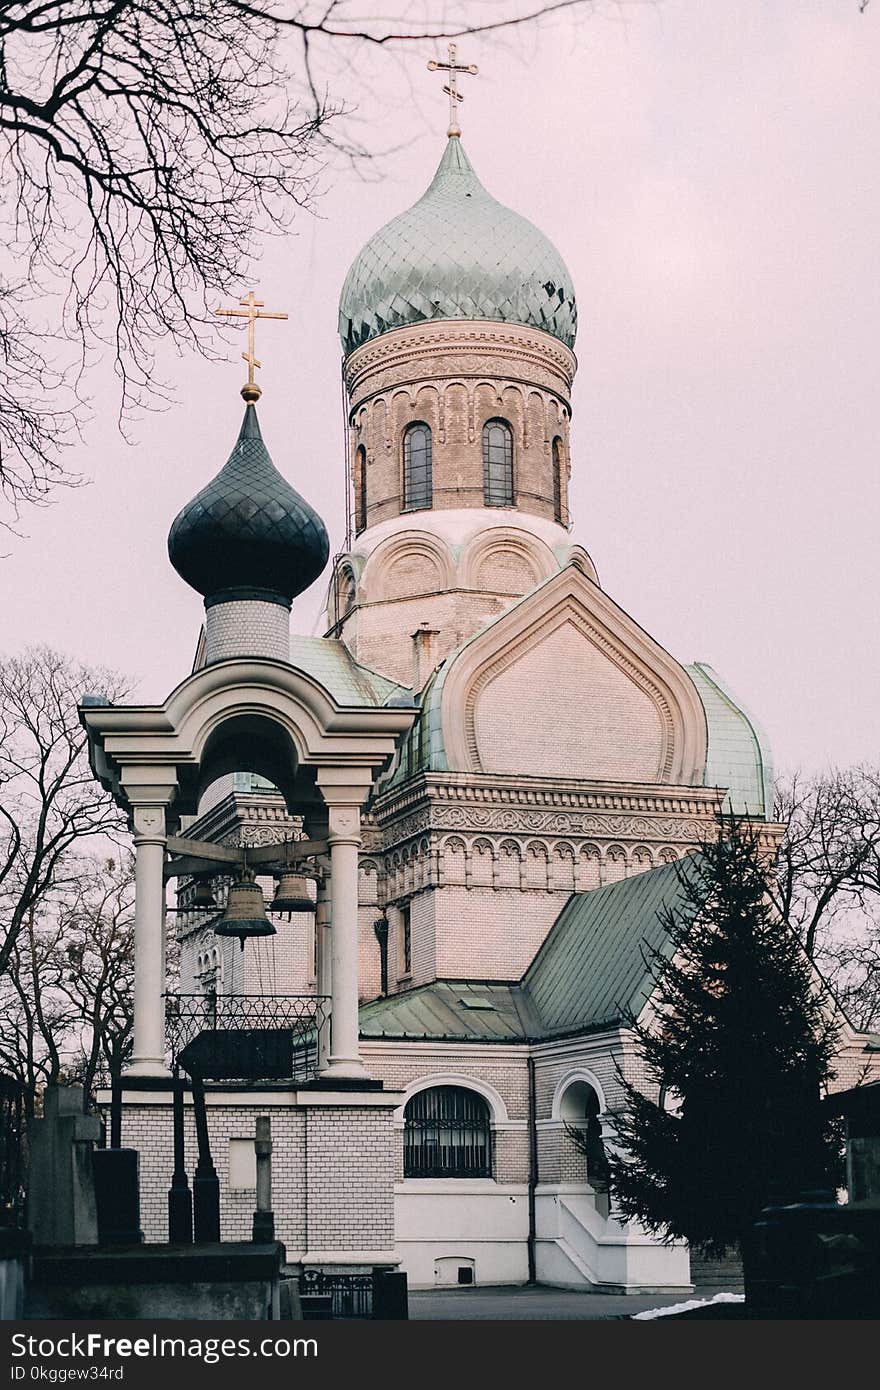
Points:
(686, 1307)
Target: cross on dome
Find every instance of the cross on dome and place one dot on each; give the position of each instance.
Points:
(251, 311)
(451, 87)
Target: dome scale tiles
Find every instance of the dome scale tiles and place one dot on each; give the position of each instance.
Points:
(456, 254)
(248, 533)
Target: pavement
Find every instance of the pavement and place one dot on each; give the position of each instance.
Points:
(521, 1304)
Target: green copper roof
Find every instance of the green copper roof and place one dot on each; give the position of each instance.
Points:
(589, 974)
(332, 665)
(738, 756)
(456, 254)
(465, 1010)
(591, 968)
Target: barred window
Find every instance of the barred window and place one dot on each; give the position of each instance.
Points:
(497, 464)
(417, 488)
(447, 1135)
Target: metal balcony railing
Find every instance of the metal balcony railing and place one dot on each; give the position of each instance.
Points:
(246, 1036)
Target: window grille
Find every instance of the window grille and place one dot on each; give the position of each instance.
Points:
(447, 1135)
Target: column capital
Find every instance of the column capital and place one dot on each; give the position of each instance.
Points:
(148, 824)
(344, 824)
(344, 786)
(145, 786)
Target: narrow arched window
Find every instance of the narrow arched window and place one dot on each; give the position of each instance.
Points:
(417, 489)
(497, 464)
(558, 487)
(447, 1134)
(360, 489)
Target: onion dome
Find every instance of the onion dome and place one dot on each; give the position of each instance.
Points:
(248, 534)
(456, 254)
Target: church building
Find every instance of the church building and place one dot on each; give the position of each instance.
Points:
(473, 791)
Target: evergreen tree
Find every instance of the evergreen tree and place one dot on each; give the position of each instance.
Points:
(738, 1046)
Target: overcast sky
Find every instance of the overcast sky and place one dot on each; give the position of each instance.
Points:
(711, 175)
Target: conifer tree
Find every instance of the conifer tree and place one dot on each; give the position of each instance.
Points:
(738, 1049)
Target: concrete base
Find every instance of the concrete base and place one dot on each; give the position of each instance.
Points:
(239, 1281)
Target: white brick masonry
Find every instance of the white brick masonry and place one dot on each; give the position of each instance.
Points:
(247, 627)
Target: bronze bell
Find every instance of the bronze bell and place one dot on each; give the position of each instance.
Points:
(292, 895)
(203, 895)
(245, 913)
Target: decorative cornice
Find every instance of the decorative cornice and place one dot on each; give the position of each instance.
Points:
(247, 818)
(404, 348)
(478, 805)
(502, 790)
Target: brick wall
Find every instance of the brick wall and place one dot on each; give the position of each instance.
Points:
(332, 1171)
(455, 377)
(247, 627)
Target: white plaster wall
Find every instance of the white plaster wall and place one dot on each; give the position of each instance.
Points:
(465, 1218)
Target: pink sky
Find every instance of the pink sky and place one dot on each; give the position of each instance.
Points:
(710, 175)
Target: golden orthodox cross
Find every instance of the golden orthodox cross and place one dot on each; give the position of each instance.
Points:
(251, 311)
(451, 87)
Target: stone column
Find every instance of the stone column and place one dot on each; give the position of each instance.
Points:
(344, 792)
(148, 1049)
(323, 961)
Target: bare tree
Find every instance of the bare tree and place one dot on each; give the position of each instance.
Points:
(828, 879)
(50, 804)
(145, 146)
(66, 997)
(34, 1016)
(95, 962)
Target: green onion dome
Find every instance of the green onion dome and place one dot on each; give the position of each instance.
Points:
(456, 254)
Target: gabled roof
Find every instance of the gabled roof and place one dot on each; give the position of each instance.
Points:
(591, 972)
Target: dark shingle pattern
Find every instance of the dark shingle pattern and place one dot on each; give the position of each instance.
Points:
(248, 529)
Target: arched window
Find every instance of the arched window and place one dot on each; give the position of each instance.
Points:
(416, 467)
(558, 488)
(447, 1135)
(360, 489)
(497, 464)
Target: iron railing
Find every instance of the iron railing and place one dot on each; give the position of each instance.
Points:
(260, 1030)
(351, 1294)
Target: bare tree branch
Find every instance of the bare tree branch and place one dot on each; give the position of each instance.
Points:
(50, 804)
(146, 146)
(827, 884)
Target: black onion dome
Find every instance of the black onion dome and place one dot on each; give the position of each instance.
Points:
(248, 534)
